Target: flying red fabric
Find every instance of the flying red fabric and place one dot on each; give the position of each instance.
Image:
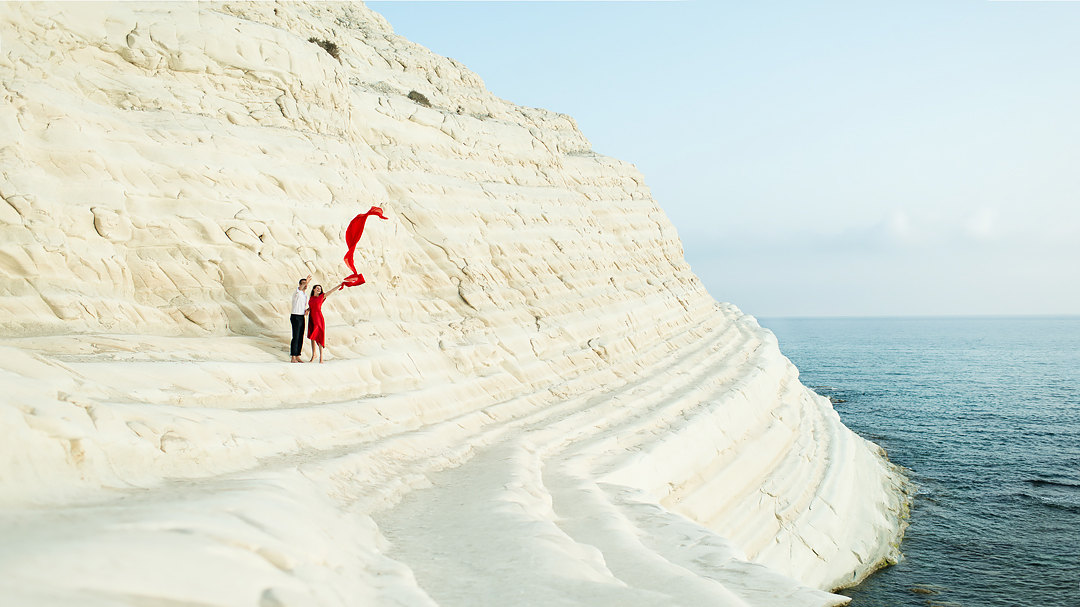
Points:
(352, 236)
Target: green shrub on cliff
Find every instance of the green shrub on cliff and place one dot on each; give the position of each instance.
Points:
(419, 98)
(327, 46)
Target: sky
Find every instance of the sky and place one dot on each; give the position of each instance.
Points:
(858, 158)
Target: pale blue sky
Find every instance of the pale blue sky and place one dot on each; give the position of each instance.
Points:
(819, 158)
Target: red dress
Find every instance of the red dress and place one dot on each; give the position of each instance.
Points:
(316, 323)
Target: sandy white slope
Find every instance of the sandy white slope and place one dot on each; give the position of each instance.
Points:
(533, 401)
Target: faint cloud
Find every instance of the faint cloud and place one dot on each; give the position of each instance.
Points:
(892, 233)
(898, 227)
(982, 225)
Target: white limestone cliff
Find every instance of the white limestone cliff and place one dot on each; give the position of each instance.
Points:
(532, 401)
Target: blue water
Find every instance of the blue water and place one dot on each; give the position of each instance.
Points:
(985, 415)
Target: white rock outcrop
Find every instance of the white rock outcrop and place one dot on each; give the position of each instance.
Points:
(532, 401)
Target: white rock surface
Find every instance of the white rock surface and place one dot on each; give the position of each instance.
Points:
(532, 401)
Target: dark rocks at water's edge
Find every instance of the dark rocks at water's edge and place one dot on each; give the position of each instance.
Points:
(825, 391)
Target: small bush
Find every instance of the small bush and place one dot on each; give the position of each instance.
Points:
(327, 46)
(419, 98)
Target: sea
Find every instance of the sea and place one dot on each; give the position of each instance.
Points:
(984, 414)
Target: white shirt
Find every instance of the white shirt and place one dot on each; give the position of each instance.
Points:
(299, 301)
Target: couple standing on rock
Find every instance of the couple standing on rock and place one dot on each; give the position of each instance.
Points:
(303, 304)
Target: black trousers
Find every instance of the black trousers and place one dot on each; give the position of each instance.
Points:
(297, 334)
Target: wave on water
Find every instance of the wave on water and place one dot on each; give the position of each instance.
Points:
(1048, 502)
(1043, 482)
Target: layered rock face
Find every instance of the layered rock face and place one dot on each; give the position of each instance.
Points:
(532, 401)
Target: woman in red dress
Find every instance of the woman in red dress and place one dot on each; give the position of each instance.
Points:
(316, 322)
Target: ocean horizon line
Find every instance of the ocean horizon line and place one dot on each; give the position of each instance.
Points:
(922, 317)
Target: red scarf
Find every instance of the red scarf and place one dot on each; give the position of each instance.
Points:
(352, 236)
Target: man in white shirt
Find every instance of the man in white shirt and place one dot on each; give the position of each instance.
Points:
(299, 308)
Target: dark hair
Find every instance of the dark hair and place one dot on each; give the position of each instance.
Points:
(316, 287)
(302, 281)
